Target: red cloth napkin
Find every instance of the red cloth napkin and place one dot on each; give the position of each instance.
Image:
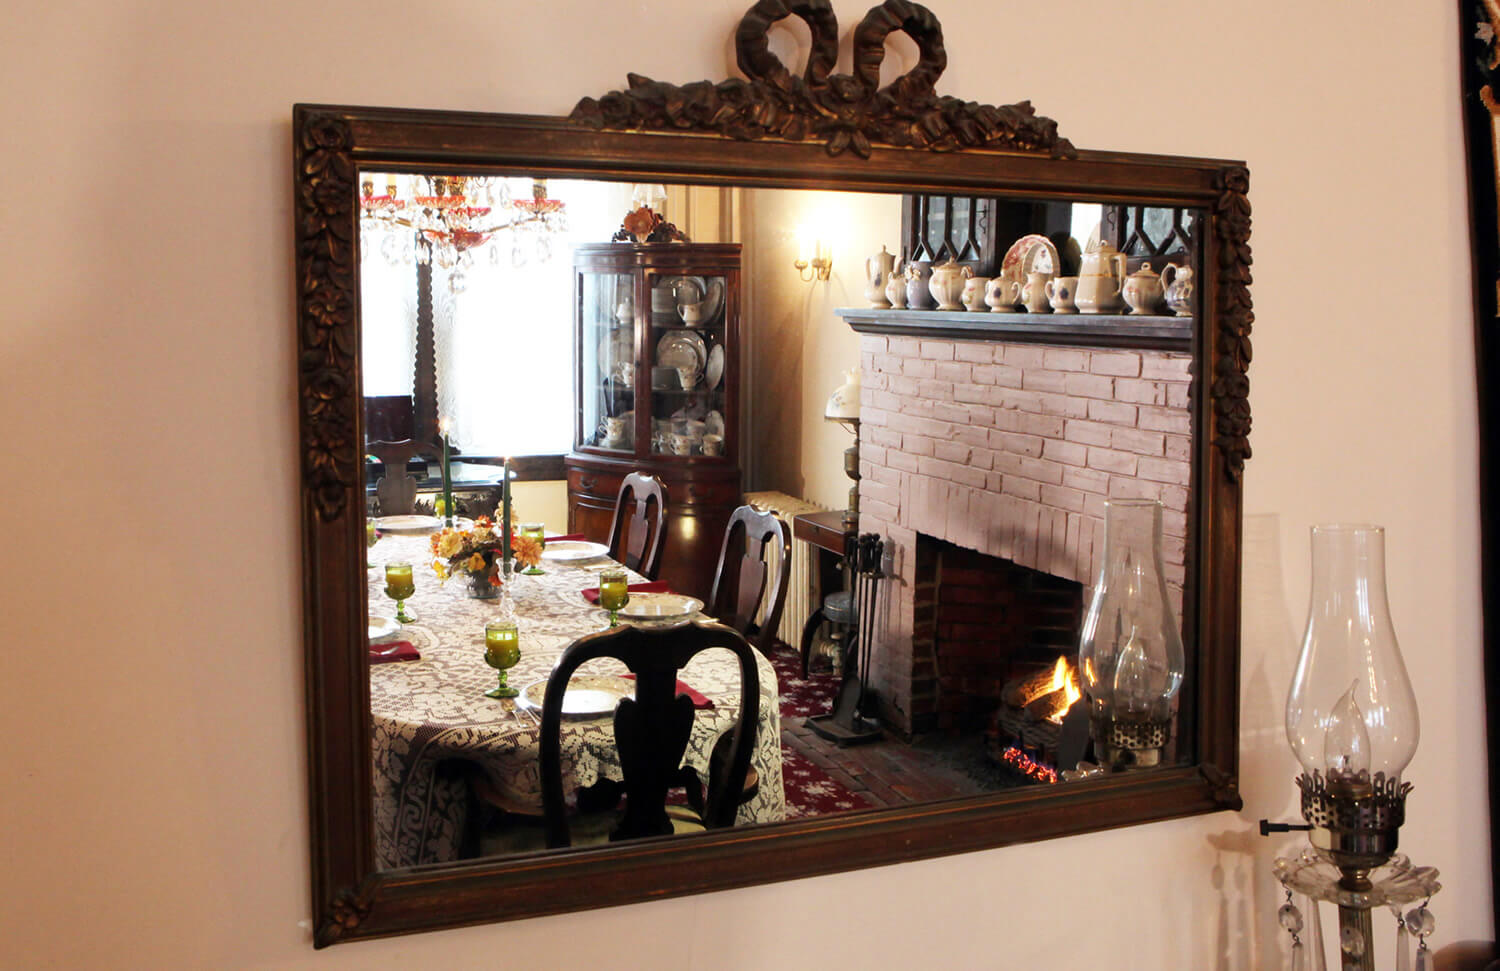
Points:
(399, 651)
(570, 537)
(654, 586)
(700, 700)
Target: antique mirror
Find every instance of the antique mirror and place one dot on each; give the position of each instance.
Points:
(994, 381)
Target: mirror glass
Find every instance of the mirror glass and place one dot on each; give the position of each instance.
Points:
(995, 440)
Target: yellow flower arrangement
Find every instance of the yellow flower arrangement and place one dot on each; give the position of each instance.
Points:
(525, 550)
(472, 551)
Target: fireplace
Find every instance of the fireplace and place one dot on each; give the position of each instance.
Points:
(987, 465)
(982, 623)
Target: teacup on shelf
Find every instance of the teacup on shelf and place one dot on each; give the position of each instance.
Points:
(713, 444)
(688, 376)
(1001, 294)
(1060, 292)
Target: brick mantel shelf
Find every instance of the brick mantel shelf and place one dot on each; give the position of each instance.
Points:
(1090, 330)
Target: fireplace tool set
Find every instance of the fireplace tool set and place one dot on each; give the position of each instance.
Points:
(848, 723)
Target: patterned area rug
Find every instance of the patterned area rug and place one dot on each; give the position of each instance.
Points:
(809, 790)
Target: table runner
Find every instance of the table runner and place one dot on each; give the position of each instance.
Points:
(430, 717)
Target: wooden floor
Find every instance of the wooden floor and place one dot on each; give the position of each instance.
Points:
(890, 772)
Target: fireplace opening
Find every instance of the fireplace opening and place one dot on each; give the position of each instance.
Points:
(993, 653)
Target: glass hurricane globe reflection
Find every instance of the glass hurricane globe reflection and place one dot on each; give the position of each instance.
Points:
(1351, 709)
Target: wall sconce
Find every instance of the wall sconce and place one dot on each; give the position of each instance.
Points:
(814, 258)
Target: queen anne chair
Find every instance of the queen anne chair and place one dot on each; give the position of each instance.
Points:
(639, 530)
(652, 730)
(743, 581)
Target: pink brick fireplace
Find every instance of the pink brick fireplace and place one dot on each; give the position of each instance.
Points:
(1011, 450)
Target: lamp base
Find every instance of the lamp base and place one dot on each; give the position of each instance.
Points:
(1356, 821)
(1121, 744)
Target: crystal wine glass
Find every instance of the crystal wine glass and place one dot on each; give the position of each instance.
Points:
(502, 649)
(399, 585)
(614, 592)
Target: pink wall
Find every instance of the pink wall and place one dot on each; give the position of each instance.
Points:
(151, 698)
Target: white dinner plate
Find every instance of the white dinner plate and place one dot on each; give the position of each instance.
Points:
(660, 606)
(588, 695)
(682, 348)
(382, 627)
(574, 551)
(714, 371)
(408, 524)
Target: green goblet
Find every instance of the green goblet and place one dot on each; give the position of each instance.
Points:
(502, 649)
(399, 585)
(538, 532)
(614, 593)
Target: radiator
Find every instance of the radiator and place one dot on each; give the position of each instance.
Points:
(800, 581)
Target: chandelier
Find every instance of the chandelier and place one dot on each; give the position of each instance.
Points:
(454, 219)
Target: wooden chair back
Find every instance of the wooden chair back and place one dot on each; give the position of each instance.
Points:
(651, 729)
(743, 582)
(639, 530)
(396, 489)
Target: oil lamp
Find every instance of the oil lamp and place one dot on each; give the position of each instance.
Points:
(1351, 719)
(1351, 716)
(1130, 656)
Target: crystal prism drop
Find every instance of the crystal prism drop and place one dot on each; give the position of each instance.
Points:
(1299, 957)
(1420, 921)
(1424, 959)
(1319, 961)
(1352, 942)
(1290, 918)
(1403, 945)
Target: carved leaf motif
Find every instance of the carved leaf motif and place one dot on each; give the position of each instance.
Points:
(845, 112)
(325, 262)
(1230, 388)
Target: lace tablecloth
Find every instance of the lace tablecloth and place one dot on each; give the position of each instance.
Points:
(430, 717)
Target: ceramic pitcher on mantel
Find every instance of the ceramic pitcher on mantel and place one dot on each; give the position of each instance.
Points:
(878, 270)
(1101, 277)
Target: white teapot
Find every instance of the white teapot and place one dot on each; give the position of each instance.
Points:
(947, 285)
(1143, 290)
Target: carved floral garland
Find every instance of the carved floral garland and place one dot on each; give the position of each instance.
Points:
(844, 111)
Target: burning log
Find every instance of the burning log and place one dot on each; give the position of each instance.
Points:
(1023, 691)
(1052, 705)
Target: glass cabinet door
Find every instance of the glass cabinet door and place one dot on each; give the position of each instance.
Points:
(607, 361)
(687, 350)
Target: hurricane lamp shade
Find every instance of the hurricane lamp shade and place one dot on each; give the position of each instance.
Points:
(1130, 655)
(1351, 712)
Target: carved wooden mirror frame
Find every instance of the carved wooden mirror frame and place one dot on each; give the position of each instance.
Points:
(775, 130)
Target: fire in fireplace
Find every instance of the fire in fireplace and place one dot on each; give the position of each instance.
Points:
(1029, 726)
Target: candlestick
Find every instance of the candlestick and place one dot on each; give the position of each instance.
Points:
(443, 425)
(505, 505)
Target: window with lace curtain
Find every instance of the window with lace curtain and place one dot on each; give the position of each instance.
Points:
(502, 324)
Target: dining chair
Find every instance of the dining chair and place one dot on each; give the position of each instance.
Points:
(639, 530)
(744, 582)
(396, 489)
(652, 729)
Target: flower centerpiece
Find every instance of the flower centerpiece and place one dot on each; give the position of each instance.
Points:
(478, 554)
(475, 552)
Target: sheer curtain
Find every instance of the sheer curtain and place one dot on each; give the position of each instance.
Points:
(503, 331)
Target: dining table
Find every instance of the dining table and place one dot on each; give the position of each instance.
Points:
(432, 726)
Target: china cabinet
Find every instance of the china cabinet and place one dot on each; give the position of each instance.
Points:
(657, 369)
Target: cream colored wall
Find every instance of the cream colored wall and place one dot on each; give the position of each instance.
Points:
(151, 695)
(799, 347)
